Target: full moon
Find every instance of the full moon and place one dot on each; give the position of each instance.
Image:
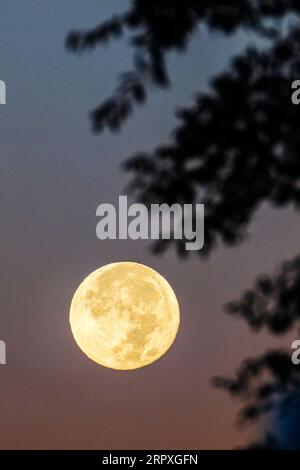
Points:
(124, 316)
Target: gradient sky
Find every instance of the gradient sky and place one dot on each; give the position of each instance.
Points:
(54, 173)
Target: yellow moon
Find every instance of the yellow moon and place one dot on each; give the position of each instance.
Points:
(124, 316)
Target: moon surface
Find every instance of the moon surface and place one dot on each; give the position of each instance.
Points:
(124, 316)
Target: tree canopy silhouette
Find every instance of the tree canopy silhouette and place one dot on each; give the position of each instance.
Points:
(273, 304)
(234, 149)
(158, 27)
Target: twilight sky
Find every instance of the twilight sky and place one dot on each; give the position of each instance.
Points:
(54, 173)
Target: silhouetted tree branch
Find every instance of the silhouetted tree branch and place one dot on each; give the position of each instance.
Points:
(155, 28)
(273, 304)
(235, 148)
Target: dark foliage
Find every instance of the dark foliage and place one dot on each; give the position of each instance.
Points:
(274, 302)
(236, 148)
(270, 379)
(155, 28)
